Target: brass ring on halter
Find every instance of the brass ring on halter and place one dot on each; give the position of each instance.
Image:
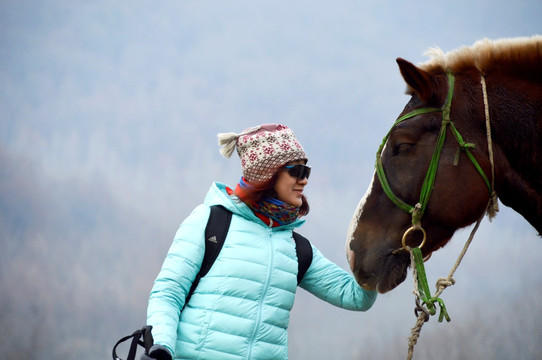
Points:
(412, 228)
(427, 257)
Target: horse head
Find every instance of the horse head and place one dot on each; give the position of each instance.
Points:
(471, 131)
(425, 178)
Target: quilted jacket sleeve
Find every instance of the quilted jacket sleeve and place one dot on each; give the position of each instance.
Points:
(333, 284)
(178, 272)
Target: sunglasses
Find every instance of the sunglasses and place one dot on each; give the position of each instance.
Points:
(298, 171)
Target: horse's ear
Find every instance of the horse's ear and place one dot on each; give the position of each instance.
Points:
(416, 78)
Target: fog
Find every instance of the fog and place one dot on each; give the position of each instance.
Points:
(108, 119)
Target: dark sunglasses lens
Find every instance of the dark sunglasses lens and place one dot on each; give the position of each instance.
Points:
(299, 171)
(306, 173)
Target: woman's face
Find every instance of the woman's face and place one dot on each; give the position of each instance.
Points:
(288, 188)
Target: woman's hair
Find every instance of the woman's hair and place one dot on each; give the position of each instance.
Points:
(258, 191)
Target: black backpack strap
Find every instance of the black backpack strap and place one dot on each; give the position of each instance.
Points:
(303, 250)
(147, 342)
(215, 235)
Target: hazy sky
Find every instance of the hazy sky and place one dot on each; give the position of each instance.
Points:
(109, 112)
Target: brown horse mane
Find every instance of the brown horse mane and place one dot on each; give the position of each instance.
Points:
(485, 54)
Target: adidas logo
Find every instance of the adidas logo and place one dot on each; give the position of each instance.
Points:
(212, 239)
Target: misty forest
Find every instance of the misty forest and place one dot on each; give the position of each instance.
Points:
(108, 119)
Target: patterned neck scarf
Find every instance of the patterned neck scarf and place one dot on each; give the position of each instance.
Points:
(273, 208)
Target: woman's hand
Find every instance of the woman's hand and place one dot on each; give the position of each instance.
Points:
(157, 352)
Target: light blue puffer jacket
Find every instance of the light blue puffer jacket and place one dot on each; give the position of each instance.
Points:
(241, 308)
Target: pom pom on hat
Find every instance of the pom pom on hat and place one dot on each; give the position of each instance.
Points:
(228, 142)
(262, 149)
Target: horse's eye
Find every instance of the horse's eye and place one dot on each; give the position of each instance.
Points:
(402, 148)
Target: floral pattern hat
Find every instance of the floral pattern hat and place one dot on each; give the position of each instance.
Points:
(263, 149)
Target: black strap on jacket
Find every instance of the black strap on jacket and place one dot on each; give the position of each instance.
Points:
(303, 250)
(215, 235)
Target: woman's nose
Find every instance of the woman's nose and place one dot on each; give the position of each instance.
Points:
(303, 181)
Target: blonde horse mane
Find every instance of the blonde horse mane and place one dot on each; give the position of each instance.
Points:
(485, 53)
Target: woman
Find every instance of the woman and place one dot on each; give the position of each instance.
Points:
(241, 308)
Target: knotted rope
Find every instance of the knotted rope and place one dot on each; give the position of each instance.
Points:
(493, 206)
(423, 314)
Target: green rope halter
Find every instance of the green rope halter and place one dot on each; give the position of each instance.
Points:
(429, 181)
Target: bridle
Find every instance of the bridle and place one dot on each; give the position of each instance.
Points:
(427, 306)
(418, 210)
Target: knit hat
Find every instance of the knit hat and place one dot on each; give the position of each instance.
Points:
(262, 150)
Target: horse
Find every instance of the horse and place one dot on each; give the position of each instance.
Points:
(470, 133)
